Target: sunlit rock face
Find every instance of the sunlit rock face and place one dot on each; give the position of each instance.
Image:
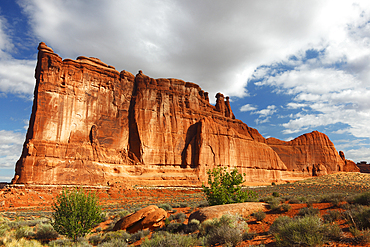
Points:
(93, 125)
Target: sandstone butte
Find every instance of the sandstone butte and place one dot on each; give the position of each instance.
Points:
(93, 125)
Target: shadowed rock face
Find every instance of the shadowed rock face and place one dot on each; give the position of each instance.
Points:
(93, 125)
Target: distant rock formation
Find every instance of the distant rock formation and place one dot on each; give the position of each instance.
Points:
(93, 125)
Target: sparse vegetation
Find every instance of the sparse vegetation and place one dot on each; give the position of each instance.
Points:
(305, 231)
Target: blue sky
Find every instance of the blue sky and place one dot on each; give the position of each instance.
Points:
(289, 67)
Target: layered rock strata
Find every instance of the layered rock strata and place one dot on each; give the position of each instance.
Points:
(93, 125)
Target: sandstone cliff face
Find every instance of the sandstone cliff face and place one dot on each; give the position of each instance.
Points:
(311, 153)
(93, 125)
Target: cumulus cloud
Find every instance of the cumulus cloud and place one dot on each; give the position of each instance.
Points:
(216, 44)
(16, 75)
(10, 148)
(332, 86)
(265, 114)
(247, 107)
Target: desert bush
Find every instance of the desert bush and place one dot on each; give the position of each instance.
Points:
(184, 204)
(123, 213)
(121, 234)
(275, 194)
(75, 213)
(117, 242)
(360, 236)
(192, 226)
(138, 235)
(305, 231)
(23, 243)
(274, 204)
(179, 217)
(363, 199)
(225, 187)
(331, 216)
(285, 207)
(96, 239)
(24, 232)
(228, 230)
(170, 240)
(259, 216)
(174, 227)
(3, 229)
(335, 199)
(80, 242)
(165, 206)
(294, 201)
(310, 211)
(45, 232)
(358, 217)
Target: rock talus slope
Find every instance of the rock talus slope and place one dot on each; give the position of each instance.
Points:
(93, 125)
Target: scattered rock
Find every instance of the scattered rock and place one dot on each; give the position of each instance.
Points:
(243, 209)
(147, 218)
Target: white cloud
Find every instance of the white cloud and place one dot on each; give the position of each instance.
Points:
(265, 114)
(271, 109)
(10, 148)
(247, 107)
(216, 44)
(16, 75)
(293, 105)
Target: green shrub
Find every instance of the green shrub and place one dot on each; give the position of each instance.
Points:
(308, 211)
(24, 232)
(81, 242)
(179, 217)
(274, 204)
(138, 235)
(225, 187)
(3, 229)
(117, 242)
(75, 213)
(331, 216)
(96, 239)
(259, 216)
(358, 217)
(164, 239)
(361, 237)
(121, 234)
(45, 232)
(305, 231)
(363, 199)
(228, 230)
(275, 194)
(294, 201)
(23, 243)
(165, 206)
(335, 199)
(285, 207)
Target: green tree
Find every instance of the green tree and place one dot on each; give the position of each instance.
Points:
(75, 213)
(225, 187)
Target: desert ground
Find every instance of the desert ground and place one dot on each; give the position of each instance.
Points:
(325, 194)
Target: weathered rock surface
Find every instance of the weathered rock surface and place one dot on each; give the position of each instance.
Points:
(147, 218)
(242, 209)
(349, 165)
(93, 125)
(312, 154)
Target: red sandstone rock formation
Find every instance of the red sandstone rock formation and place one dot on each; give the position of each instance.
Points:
(93, 125)
(311, 153)
(349, 165)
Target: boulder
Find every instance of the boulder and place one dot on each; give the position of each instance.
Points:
(147, 218)
(242, 209)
